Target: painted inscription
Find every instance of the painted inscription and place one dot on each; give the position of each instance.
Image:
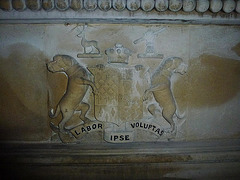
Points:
(154, 128)
(119, 137)
(79, 131)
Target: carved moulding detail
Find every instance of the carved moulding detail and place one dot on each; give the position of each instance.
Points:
(133, 5)
(48, 5)
(229, 6)
(34, 5)
(119, 5)
(6, 5)
(76, 4)
(19, 5)
(202, 6)
(90, 5)
(238, 6)
(147, 5)
(105, 5)
(189, 5)
(175, 5)
(161, 5)
(62, 5)
(216, 5)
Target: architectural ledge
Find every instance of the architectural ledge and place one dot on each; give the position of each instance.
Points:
(183, 160)
(214, 6)
(112, 16)
(121, 11)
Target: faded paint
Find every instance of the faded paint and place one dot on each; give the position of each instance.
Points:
(210, 85)
(23, 113)
(210, 81)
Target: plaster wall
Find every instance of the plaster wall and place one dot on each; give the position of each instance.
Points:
(208, 94)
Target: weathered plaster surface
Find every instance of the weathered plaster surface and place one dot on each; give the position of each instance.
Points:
(208, 93)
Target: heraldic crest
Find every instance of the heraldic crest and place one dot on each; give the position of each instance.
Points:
(126, 98)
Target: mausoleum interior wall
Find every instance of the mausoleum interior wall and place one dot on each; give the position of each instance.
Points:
(208, 94)
(119, 89)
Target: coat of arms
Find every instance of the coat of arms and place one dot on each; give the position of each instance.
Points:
(120, 92)
(118, 99)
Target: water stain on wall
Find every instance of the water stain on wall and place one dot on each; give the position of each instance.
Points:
(236, 49)
(18, 121)
(28, 92)
(210, 81)
(23, 94)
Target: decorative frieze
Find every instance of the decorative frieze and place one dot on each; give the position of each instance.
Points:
(229, 6)
(105, 5)
(175, 5)
(76, 5)
(47, 5)
(34, 5)
(189, 5)
(201, 6)
(133, 5)
(62, 5)
(90, 5)
(6, 5)
(19, 5)
(238, 7)
(119, 5)
(161, 5)
(147, 5)
(216, 5)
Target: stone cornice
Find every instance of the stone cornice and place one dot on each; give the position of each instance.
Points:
(214, 6)
(142, 11)
(130, 11)
(128, 161)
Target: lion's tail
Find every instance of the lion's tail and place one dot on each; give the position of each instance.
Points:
(52, 114)
(181, 118)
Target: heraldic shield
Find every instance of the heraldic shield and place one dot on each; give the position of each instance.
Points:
(118, 99)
